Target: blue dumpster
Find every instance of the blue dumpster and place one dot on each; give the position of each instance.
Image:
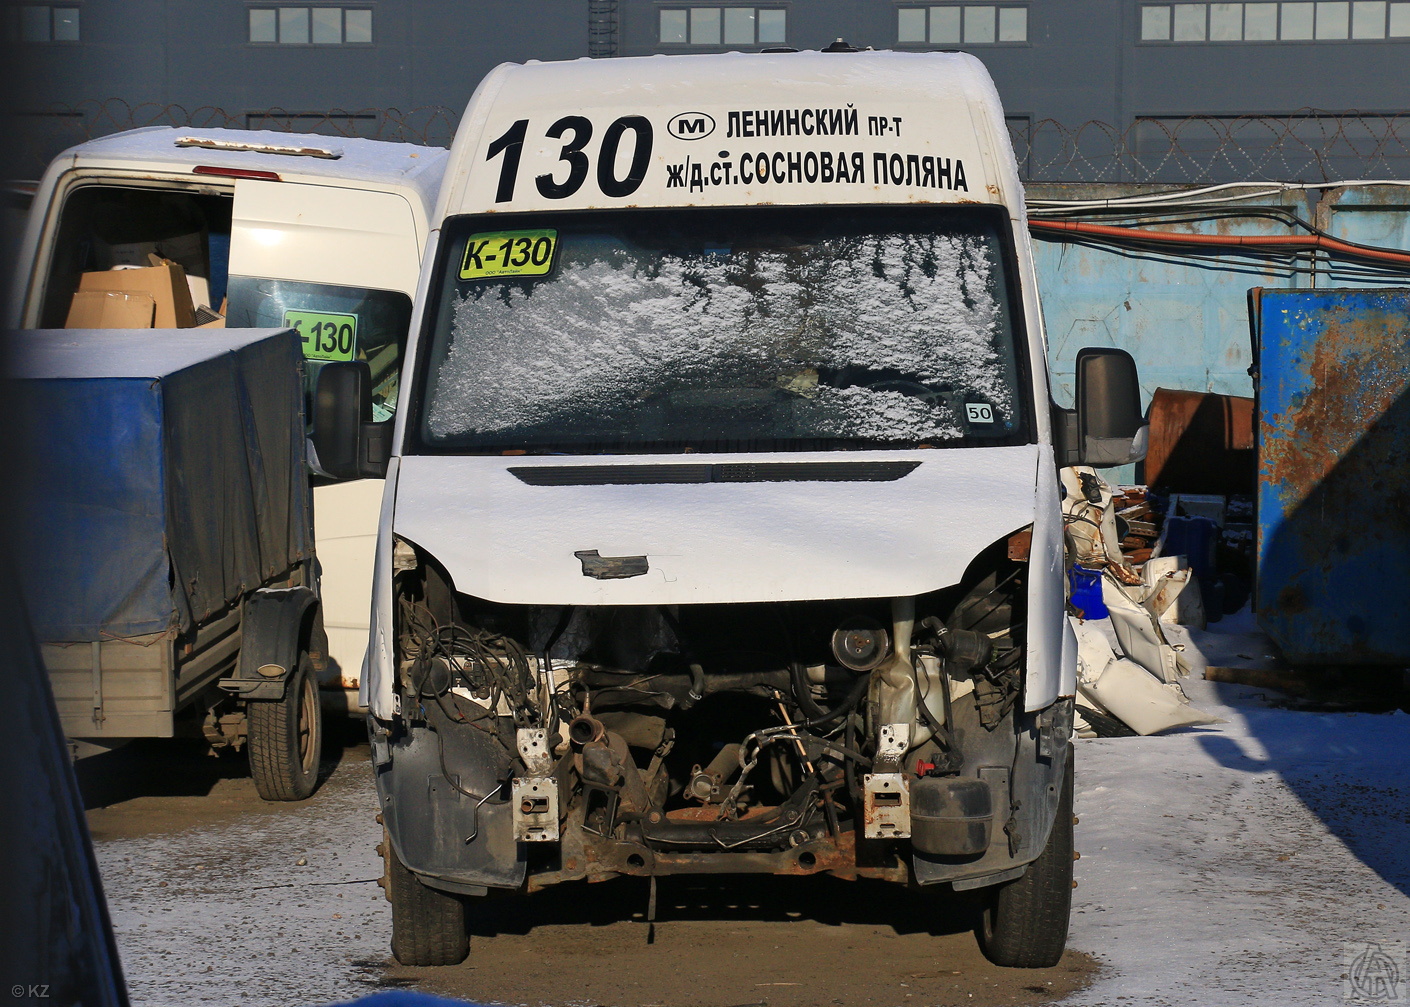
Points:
(1333, 581)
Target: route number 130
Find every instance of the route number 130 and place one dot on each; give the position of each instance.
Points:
(576, 133)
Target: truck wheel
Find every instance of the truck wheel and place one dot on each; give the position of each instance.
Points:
(428, 925)
(286, 738)
(1025, 922)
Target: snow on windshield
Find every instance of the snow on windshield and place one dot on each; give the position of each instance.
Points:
(919, 317)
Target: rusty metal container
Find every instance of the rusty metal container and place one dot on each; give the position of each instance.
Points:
(1200, 442)
(1333, 582)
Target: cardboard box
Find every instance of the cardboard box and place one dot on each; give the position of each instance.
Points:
(165, 284)
(110, 309)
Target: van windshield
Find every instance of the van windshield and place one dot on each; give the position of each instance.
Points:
(756, 329)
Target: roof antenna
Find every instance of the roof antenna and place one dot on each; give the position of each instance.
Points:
(841, 45)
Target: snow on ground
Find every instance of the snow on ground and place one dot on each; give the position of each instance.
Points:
(1226, 865)
(227, 915)
(1233, 864)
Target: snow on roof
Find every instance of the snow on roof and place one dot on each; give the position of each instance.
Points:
(745, 78)
(379, 161)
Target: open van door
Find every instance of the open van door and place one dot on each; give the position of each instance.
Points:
(334, 263)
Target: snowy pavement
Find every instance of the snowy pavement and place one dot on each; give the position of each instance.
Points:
(1227, 865)
(1234, 864)
(272, 908)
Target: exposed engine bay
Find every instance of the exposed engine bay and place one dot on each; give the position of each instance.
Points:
(875, 737)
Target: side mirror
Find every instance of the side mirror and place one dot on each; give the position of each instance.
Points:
(1107, 427)
(348, 444)
(1110, 427)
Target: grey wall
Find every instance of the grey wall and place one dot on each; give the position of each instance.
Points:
(1083, 61)
(195, 53)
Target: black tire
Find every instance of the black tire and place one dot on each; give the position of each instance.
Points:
(428, 925)
(1024, 924)
(286, 738)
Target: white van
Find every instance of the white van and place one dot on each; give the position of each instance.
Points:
(323, 234)
(721, 531)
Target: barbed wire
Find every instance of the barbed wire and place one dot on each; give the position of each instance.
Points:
(1310, 145)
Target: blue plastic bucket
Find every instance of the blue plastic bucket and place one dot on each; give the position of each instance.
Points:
(1086, 594)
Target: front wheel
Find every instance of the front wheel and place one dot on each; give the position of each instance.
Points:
(428, 925)
(1025, 922)
(286, 738)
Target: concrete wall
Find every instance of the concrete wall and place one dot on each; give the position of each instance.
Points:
(196, 53)
(1185, 318)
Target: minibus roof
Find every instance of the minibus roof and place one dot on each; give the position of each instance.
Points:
(734, 129)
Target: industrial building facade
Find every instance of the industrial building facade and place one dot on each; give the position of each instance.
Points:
(1335, 70)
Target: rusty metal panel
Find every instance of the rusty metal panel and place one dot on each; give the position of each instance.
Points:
(1334, 475)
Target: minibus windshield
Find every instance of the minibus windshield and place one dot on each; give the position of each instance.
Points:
(758, 329)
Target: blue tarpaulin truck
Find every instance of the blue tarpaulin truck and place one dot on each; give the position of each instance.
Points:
(166, 548)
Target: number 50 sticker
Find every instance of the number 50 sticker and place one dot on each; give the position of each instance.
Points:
(979, 412)
(508, 253)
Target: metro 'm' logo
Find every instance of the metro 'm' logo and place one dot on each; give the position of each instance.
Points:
(691, 125)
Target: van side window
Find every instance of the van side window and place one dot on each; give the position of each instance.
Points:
(336, 323)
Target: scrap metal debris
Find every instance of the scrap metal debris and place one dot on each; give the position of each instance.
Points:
(1119, 536)
(1127, 690)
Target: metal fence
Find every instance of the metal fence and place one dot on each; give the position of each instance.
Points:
(1310, 145)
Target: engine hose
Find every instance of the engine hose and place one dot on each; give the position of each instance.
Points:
(849, 768)
(843, 750)
(859, 689)
(803, 693)
(953, 757)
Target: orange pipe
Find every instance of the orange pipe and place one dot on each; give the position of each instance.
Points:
(1226, 240)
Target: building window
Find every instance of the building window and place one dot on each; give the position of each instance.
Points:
(311, 25)
(44, 23)
(961, 25)
(1299, 21)
(723, 26)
